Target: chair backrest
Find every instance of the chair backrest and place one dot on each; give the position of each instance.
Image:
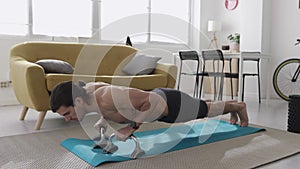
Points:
(245, 54)
(189, 55)
(212, 55)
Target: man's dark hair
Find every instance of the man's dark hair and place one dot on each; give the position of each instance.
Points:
(64, 94)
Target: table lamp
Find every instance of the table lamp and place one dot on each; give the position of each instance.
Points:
(214, 26)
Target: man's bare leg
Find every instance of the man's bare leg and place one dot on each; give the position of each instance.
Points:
(243, 115)
(237, 110)
(233, 118)
(233, 115)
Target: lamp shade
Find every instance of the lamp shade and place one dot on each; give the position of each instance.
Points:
(214, 26)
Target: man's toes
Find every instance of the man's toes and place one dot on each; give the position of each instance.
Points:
(243, 124)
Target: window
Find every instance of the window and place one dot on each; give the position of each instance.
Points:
(142, 20)
(62, 17)
(13, 18)
(168, 23)
(120, 19)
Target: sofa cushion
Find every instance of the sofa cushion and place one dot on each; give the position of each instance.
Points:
(55, 66)
(144, 82)
(141, 64)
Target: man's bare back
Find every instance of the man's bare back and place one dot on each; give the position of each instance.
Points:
(123, 104)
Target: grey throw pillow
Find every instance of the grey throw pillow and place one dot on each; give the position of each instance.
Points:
(55, 66)
(141, 64)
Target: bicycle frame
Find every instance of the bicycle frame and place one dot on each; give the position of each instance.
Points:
(295, 77)
(285, 87)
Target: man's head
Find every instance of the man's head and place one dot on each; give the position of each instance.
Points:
(64, 99)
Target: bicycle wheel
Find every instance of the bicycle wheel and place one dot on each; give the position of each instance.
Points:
(282, 78)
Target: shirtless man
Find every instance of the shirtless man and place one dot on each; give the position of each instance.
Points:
(133, 106)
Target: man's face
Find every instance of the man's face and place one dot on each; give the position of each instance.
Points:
(69, 113)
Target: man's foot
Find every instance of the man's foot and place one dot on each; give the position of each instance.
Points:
(233, 118)
(244, 121)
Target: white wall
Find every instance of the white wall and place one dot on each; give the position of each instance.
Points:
(7, 96)
(215, 10)
(251, 25)
(246, 19)
(284, 32)
(6, 44)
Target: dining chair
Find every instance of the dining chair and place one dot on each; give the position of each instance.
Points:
(257, 73)
(215, 56)
(214, 59)
(185, 57)
(231, 74)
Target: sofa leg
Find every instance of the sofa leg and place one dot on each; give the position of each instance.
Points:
(24, 112)
(40, 120)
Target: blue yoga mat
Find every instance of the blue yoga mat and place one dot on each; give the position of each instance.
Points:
(160, 141)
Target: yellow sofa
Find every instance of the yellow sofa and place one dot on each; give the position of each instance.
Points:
(91, 62)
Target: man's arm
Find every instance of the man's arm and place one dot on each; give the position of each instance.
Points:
(125, 132)
(150, 110)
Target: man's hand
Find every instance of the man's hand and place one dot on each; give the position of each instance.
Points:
(123, 133)
(101, 123)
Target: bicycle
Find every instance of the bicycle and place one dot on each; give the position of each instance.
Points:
(285, 77)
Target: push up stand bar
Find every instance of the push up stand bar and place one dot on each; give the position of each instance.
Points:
(109, 147)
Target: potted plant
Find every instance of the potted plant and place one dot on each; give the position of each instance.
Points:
(235, 42)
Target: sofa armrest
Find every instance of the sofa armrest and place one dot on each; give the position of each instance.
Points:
(29, 83)
(170, 70)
